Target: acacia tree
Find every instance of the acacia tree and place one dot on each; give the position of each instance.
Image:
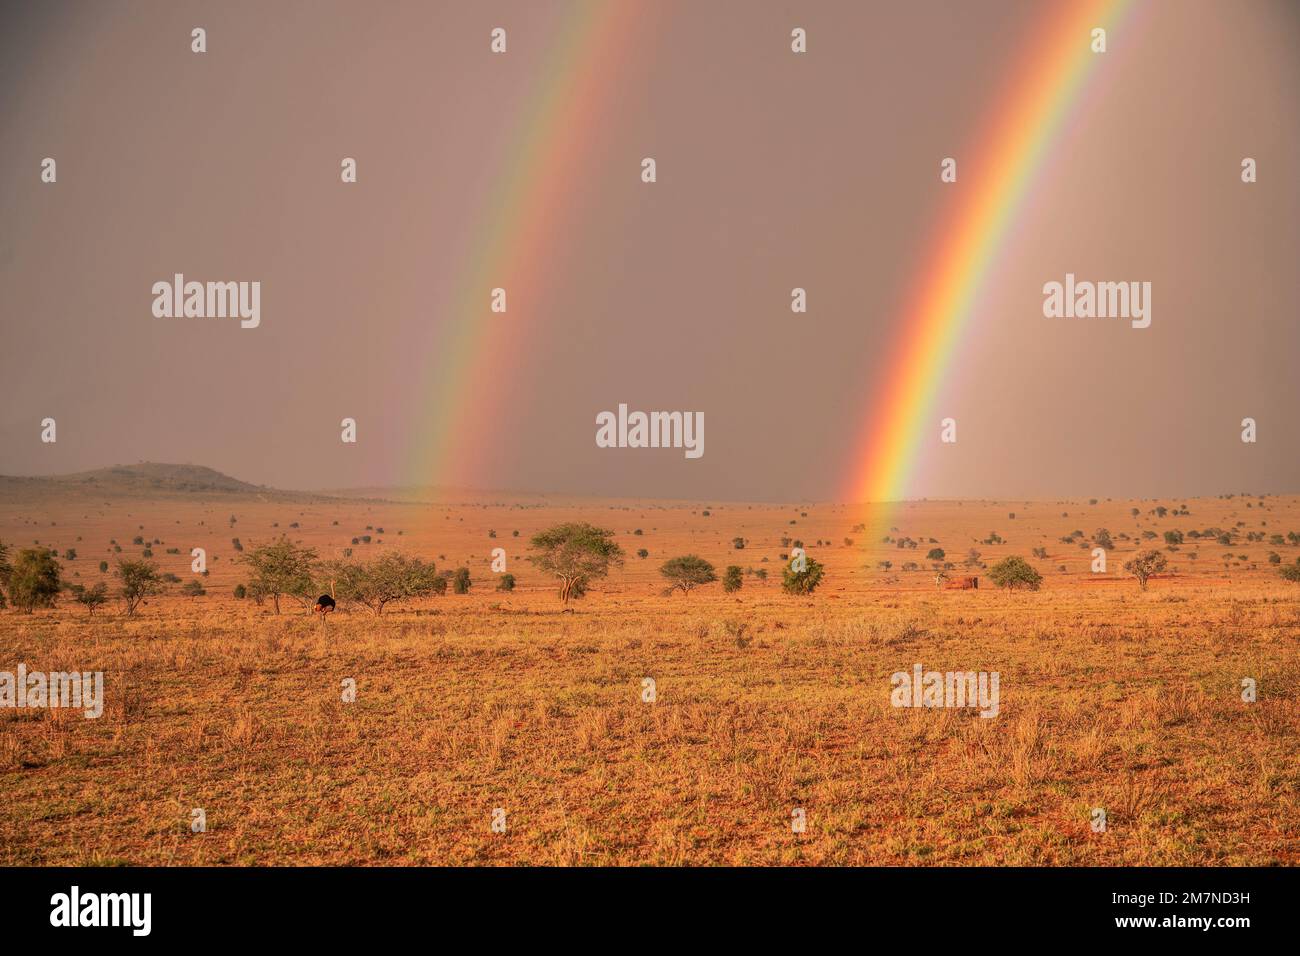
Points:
(687, 572)
(390, 578)
(90, 598)
(1145, 565)
(139, 580)
(576, 553)
(280, 569)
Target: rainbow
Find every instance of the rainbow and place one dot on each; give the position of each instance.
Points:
(515, 245)
(1045, 90)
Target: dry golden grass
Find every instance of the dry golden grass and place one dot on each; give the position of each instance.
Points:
(1110, 698)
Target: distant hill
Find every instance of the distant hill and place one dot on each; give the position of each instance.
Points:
(146, 479)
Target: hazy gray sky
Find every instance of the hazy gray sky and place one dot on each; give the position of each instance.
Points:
(775, 170)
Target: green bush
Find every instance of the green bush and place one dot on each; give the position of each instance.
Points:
(460, 582)
(805, 581)
(1015, 573)
(34, 580)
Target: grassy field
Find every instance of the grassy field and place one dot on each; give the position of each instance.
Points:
(1111, 697)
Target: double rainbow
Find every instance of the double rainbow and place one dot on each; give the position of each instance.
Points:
(543, 173)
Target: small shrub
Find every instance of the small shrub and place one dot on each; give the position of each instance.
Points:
(1015, 573)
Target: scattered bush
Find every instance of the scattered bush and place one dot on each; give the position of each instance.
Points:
(460, 581)
(733, 579)
(805, 581)
(34, 580)
(1015, 573)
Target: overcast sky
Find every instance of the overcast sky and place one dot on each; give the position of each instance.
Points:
(775, 170)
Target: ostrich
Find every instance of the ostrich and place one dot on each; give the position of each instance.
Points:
(324, 605)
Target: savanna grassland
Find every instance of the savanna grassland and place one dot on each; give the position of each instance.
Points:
(1111, 697)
